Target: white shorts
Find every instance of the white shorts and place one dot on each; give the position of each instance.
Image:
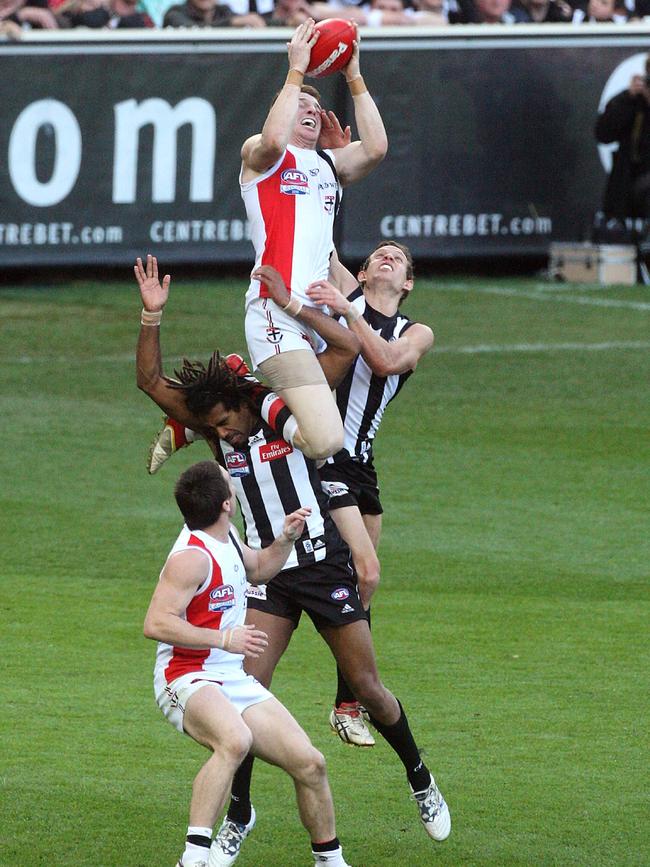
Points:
(270, 331)
(241, 690)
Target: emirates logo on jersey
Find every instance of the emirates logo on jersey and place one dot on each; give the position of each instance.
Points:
(222, 598)
(274, 451)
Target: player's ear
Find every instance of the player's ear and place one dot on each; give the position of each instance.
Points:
(406, 288)
(361, 276)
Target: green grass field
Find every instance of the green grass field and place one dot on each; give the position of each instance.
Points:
(512, 618)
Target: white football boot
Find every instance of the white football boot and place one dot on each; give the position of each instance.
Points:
(228, 841)
(434, 812)
(348, 723)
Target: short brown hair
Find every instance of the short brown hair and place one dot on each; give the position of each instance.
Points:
(305, 88)
(402, 247)
(200, 493)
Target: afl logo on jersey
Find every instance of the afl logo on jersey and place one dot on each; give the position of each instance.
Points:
(222, 598)
(293, 182)
(237, 464)
(340, 594)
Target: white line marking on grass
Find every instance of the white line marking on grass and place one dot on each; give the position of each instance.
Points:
(447, 350)
(545, 296)
(543, 347)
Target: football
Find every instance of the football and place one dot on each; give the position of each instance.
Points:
(334, 47)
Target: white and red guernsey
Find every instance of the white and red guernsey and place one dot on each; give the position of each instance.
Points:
(291, 210)
(219, 603)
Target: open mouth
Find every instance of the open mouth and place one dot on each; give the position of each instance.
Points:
(385, 266)
(309, 122)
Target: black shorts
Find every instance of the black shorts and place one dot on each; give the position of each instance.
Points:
(351, 483)
(327, 592)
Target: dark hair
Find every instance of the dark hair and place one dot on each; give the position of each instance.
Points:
(407, 253)
(200, 494)
(204, 387)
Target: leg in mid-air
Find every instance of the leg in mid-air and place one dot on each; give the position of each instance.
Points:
(353, 650)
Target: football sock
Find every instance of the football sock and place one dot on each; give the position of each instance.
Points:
(240, 799)
(277, 415)
(328, 853)
(197, 843)
(400, 738)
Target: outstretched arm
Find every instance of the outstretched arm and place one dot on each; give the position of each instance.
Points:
(261, 151)
(382, 357)
(148, 358)
(359, 158)
(262, 565)
(342, 344)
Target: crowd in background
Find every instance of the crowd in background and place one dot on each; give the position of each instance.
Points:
(18, 15)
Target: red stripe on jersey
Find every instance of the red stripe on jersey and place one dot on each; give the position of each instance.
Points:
(279, 216)
(186, 659)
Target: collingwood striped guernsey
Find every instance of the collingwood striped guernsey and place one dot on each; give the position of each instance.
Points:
(271, 480)
(363, 396)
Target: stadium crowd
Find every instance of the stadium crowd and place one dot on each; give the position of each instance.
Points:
(18, 15)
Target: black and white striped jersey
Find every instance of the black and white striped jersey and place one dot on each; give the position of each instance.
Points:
(363, 396)
(271, 480)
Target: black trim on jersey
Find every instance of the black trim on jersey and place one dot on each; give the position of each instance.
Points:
(337, 199)
(237, 547)
(281, 419)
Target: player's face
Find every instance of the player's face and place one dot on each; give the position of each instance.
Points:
(233, 426)
(233, 497)
(308, 121)
(389, 265)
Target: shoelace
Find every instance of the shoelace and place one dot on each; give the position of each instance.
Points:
(430, 804)
(231, 836)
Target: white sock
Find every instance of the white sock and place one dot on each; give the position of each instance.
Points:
(332, 859)
(194, 852)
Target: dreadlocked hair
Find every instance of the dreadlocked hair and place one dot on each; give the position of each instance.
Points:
(204, 387)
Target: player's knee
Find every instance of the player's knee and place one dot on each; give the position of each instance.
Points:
(321, 444)
(311, 768)
(236, 747)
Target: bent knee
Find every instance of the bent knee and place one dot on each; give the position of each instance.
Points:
(310, 767)
(236, 746)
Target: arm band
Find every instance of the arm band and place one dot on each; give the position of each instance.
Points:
(294, 306)
(295, 76)
(150, 317)
(352, 315)
(357, 85)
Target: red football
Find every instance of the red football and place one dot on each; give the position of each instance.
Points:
(334, 47)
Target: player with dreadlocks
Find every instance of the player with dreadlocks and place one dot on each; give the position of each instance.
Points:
(272, 479)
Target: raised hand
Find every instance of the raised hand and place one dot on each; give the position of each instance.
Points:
(154, 296)
(302, 42)
(332, 134)
(324, 294)
(294, 523)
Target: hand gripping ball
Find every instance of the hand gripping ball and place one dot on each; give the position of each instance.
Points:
(334, 47)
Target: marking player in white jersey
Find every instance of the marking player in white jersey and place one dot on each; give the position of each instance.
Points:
(291, 191)
(197, 615)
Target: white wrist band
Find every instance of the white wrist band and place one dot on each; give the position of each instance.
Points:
(150, 317)
(294, 306)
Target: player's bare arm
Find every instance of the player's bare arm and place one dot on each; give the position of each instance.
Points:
(343, 345)
(183, 573)
(359, 158)
(340, 277)
(264, 564)
(260, 152)
(148, 359)
(382, 357)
